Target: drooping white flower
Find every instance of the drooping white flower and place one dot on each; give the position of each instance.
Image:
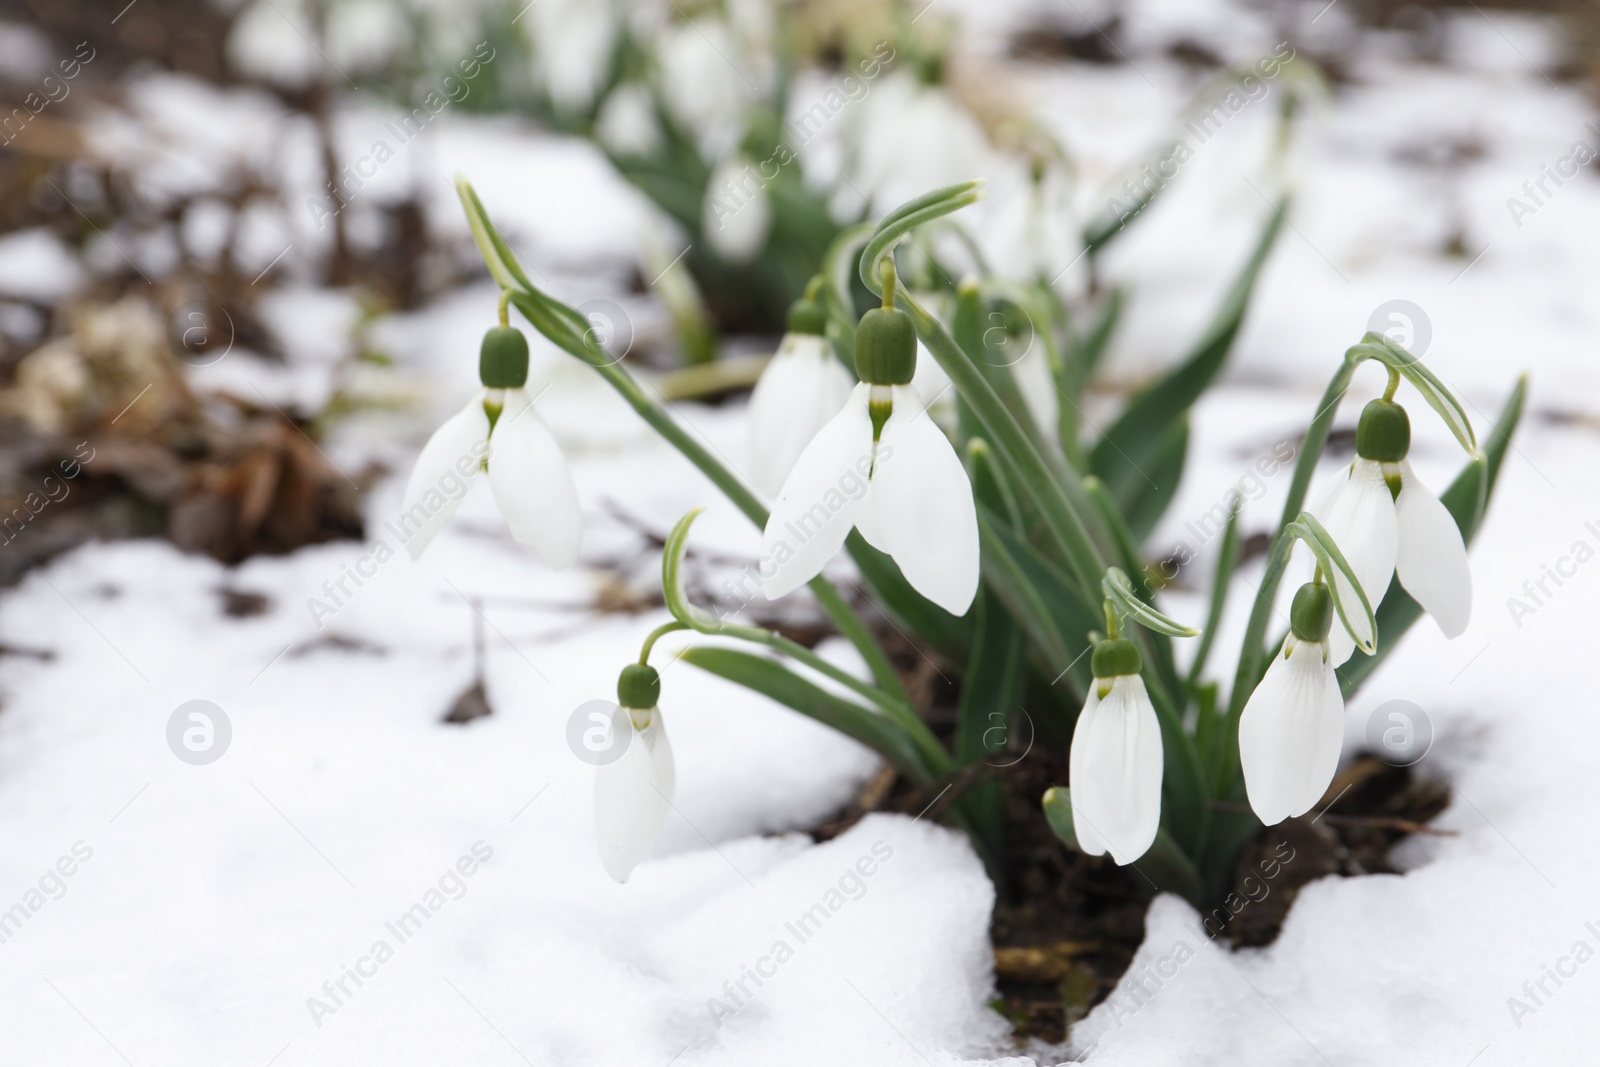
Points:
(906, 137)
(1387, 522)
(880, 466)
(527, 472)
(1116, 760)
(705, 90)
(1292, 726)
(626, 123)
(572, 44)
(737, 212)
(802, 388)
(633, 792)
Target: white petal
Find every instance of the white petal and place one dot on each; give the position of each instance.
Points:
(632, 795)
(1432, 562)
(532, 484)
(443, 474)
(737, 212)
(930, 381)
(1290, 733)
(801, 389)
(1089, 839)
(921, 507)
(1360, 516)
(820, 499)
(1115, 771)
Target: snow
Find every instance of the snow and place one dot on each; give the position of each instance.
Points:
(35, 265)
(207, 905)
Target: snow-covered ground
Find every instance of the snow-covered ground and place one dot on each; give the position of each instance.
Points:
(233, 912)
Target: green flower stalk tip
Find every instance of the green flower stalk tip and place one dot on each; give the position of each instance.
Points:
(808, 317)
(639, 687)
(503, 358)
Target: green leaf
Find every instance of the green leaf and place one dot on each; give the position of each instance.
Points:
(1227, 562)
(1094, 345)
(1119, 590)
(1349, 599)
(907, 217)
(987, 712)
(772, 679)
(1038, 595)
(1476, 482)
(1129, 455)
(1147, 497)
(950, 635)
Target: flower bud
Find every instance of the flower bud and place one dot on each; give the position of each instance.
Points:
(639, 686)
(1384, 432)
(1112, 659)
(1311, 613)
(886, 347)
(807, 316)
(503, 359)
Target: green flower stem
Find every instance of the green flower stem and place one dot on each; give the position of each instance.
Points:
(844, 617)
(655, 635)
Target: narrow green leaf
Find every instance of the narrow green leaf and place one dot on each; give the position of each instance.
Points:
(1038, 594)
(1227, 562)
(989, 707)
(1132, 448)
(1146, 498)
(1094, 345)
(907, 217)
(950, 635)
(1171, 869)
(1119, 590)
(772, 679)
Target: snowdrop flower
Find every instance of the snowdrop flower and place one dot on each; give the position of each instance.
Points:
(1293, 724)
(801, 389)
(499, 431)
(572, 45)
(1387, 522)
(882, 467)
(633, 792)
(1116, 760)
(907, 137)
(737, 211)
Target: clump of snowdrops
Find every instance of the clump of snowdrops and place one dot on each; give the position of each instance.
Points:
(1012, 550)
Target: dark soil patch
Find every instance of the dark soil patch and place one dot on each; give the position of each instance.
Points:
(1066, 926)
